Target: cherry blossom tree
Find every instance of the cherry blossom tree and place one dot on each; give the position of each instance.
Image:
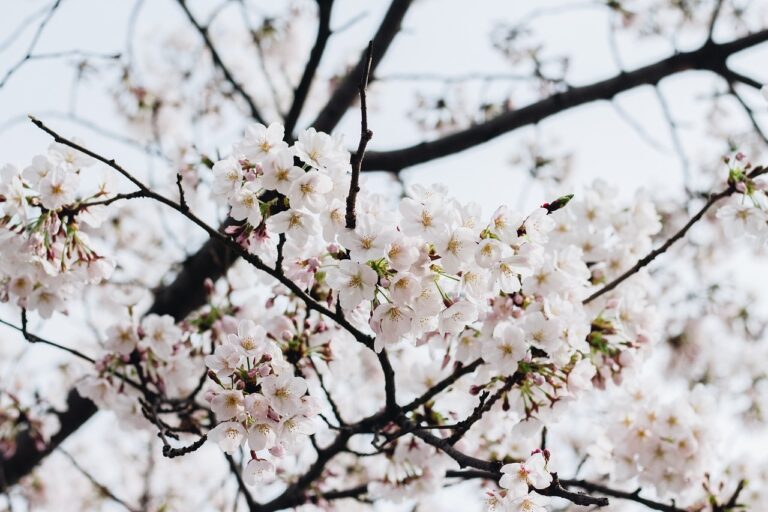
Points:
(216, 297)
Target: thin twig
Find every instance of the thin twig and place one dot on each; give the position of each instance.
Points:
(103, 489)
(233, 466)
(219, 63)
(365, 137)
(648, 258)
(182, 197)
(32, 44)
(32, 338)
(674, 132)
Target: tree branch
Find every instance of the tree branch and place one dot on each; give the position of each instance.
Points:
(219, 63)
(344, 94)
(709, 57)
(310, 70)
(365, 136)
(648, 258)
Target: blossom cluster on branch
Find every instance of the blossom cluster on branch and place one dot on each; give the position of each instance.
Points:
(509, 318)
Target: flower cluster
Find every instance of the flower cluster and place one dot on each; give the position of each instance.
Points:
(45, 257)
(155, 352)
(260, 399)
(661, 443)
(745, 214)
(508, 288)
(517, 482)
(263, 162)
(36, 419)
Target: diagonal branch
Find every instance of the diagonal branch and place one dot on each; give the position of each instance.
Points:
(35, 38)
(345, 92)
(708, 57)
(103, 489)
(310, 70)
(648, 258)
(219, 63)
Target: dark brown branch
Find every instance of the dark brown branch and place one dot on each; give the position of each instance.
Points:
(442, 385)
(182, 197)
(733, 77)
(708, 57)
(749, 112)
(219, 63)
(365, 136)
(344, 94)
(648, 258)
(27, 456)
(733, 502)
(310, 70)
(354, 492)
(328, 396)
(713, 19)
(483, 407)
(630, 496)
(295, 494)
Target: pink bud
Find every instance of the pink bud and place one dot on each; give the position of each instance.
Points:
(209, 286)
(313, 264)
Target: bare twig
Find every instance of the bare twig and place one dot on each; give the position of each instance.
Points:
(713, 19)
(629, 496)
(32, 44)
(219, 63)
(675, 133)
(235, 469)
(345, 92)
(365, 136)
(103, 489)
(182, 197)
(32, 338)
